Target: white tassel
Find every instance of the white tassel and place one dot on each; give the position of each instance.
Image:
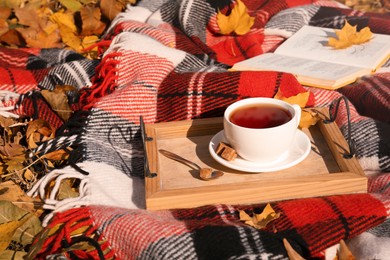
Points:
(104, 185)
(50, 202)
(6, 96)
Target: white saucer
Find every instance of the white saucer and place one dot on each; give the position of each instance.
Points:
(296, 154)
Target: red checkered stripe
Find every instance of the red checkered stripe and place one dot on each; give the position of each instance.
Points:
(17, 80)
(264, 10)
(371, 96)
(70, 224)
(326, 97)
(140, 228)
(163, 33)
(137, 80)
(379, 184)
(13, 58)
(43, 111)
(323, 222)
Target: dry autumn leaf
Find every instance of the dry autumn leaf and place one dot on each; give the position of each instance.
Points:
(38, 30)
(5, 12)
(72, 5)
(349, 36)
(12, 192)
(12, 150)
(68, 29)
(238, 21)
(299, 99)
(71, 24)
(38, 131)
(261, 220)
(11, 3)
(308, 116)
(110, 8)
(91, 23)
(7, 231)
(12, 38)
(17, 225)
(58, 101)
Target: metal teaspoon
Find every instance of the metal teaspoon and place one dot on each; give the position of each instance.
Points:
(206, 174)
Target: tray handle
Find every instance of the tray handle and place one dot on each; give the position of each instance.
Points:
(145, 139)
(333, 111)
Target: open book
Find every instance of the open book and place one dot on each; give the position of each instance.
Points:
(307, 55)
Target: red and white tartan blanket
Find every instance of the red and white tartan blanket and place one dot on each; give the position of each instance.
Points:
(166, 61)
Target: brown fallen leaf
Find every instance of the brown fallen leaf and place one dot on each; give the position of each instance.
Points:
(58, 155)
(12, 192)
(12, 38)
(110, 8)
(17, 225)
(91, 21)
(7, 231)
(12, 150)
(5, 12)
(58, 101)
(261, 220)
(38, 130)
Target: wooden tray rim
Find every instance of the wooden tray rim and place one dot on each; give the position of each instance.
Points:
(351, 175)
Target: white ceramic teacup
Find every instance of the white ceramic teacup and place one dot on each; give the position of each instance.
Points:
(263, 145)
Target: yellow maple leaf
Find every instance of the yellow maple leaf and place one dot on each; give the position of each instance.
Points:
(308, 118)
(261, 220)
(238, 21)
(299, 99)
(348, 36)
(68, 29)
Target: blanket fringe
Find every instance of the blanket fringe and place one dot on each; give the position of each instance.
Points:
(69, 228)
(50, 201)
(104, 82)
(8, 99)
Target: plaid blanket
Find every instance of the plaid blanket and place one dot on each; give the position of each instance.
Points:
(166, 61)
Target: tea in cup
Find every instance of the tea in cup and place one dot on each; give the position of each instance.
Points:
(261, 129)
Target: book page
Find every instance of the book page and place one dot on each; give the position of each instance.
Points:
(311, 43)
(302, 67)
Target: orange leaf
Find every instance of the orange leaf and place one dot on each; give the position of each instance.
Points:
(58, 101)
(58, 155)
(261, 220)
(299, 99)
(12, 150)
(39, 31)
(4, 14)
(91, 24)
(37, 131)
(237, 21)
(348, 36)
(308, 118)
(110, 8)
(12, 38)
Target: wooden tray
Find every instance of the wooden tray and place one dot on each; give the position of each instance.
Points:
(170, 184)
